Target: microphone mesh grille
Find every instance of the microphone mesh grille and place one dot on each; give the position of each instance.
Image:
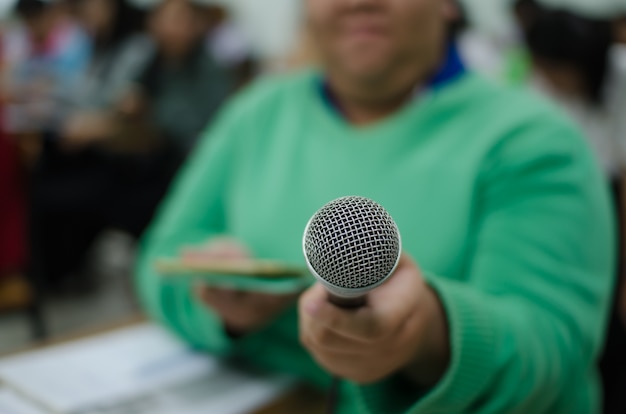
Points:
(352, 243)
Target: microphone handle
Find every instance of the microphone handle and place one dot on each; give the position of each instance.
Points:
(332, 399)
(347, 303)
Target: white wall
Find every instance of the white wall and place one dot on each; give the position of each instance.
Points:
(271, 25)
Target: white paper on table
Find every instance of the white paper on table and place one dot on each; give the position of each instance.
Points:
(13, 403)
(231, 392)
(143, 364)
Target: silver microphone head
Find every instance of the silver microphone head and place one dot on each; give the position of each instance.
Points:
(351, 245)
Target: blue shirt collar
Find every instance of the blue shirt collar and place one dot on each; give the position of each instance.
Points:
(452, 69)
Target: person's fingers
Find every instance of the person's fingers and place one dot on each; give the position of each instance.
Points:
(232, 295)
(317, 337)
(197, 290)
(387, 308)
(350, 367)
(223, 296)
(244, 302)
(244, 296)
(359, 324)
(312, 299)
(233, 312)
(210, 296)
(220, 248)
(228, 247)
(273, 300)
(396, 299)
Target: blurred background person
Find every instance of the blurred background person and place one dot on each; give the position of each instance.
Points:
(120, 50)
(45, 52)
(182, 85)
(227, 43)
(518, 68)
(526, 13)
(571, 62)
(502, 57)
(78, 187)
(14, 290)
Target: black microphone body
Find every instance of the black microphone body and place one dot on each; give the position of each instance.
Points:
(347, 303)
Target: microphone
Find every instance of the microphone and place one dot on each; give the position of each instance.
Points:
(351, 245)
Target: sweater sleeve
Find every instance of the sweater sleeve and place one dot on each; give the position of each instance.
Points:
(526, 323)
(192, 212)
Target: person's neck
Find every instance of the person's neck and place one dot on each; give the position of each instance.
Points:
(364, 104)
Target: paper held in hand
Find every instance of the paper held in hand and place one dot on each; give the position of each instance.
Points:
(245, 268)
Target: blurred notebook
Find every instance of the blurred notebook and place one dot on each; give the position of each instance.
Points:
(253, 275)
(142, 369)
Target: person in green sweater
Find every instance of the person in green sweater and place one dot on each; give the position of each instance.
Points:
(499, 302)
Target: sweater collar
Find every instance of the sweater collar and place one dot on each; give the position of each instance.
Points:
(451, 69)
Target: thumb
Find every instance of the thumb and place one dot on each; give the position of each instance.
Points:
(313, 299)
(359, 324)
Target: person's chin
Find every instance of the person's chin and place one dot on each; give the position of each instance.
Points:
(366, 70)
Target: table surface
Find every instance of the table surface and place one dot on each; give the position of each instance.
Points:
(301, 400)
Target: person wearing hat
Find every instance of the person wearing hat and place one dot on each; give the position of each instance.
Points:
(499, 301)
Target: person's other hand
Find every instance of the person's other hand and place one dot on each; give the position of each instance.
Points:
(244, 312)
(241, 312)
(401, 328)
(133, 104)
(217, 248)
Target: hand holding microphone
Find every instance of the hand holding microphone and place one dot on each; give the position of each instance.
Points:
(372, 314)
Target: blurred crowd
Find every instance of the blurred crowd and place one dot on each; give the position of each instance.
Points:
(101, 103)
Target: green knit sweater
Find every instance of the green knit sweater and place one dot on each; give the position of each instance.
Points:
(496, 196)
